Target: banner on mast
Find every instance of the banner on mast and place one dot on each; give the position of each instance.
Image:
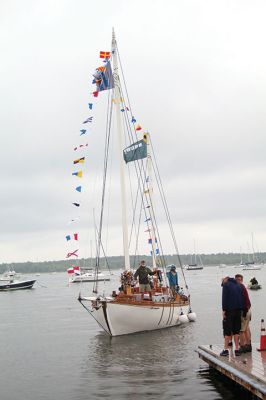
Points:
(136, 151)
(103, 77)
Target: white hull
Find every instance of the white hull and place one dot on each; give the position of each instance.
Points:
(123, 319)
(89, 279)
(251, 267)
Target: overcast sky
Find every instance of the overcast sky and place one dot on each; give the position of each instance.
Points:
(196, 76)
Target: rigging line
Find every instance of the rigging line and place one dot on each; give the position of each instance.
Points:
(160, 186)
(142, 192)
(95, 284)
(162, 258)
(129, 125)
(91, 313)
(170, 224)
(138, 162)
(156, 231)
(133, 207)
(104, 253)
(136, 201)
(139, 222)
(106, 152)
(167, 212)
(109, 199)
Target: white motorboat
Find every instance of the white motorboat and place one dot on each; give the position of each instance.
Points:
(89, 276)
(6, 276)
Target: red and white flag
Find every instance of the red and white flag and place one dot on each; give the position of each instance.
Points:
(76, 270)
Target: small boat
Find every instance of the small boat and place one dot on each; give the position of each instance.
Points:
(222, 266)
(251, 266)
(193, 267)
(7, 275)
(193, 262)
(89, 276)
(17, 285)
(254, 287)
(253, 262)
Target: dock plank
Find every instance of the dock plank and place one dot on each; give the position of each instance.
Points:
(248, 370)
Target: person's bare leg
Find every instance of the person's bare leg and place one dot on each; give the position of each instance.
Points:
(248, 335)
(226, 341)
(242, 339)
(236, 340)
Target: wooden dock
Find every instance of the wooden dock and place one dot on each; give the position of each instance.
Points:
(247, 370)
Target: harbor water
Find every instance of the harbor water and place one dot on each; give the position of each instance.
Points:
(51, 349)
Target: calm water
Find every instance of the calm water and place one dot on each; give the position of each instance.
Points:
(51, 349)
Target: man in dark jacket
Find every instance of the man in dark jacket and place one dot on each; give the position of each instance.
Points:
(232, 304)
(143, 273)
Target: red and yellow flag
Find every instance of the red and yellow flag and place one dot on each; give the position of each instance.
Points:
(105, 54)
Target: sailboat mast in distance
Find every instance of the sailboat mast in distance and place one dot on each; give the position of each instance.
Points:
(117, 98)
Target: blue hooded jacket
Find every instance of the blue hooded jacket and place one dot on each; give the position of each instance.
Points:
(232, 297)
(173, 278)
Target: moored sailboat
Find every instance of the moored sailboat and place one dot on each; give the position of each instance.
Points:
(130, 310)
(194, 264)
(252, 264)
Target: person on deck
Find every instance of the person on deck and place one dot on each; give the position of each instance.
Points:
(173, 280)
(245, 334)
(143, 273)
(232, 305)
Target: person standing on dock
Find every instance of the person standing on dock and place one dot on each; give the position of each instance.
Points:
(245, 334)
(232, 305)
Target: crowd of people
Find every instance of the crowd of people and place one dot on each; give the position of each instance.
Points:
(236, 308)
(144, 277)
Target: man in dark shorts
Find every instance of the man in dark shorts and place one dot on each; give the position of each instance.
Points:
(232, 304)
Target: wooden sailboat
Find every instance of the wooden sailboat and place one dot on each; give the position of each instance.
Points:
(129, 310)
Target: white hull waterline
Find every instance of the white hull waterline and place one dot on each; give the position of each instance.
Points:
(123, 319)
(17, 285)
(193, 267)
(252, 267)
(89, 278)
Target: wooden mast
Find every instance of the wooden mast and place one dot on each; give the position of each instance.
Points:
(117, 100)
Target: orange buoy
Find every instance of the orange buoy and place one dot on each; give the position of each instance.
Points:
(262, 337)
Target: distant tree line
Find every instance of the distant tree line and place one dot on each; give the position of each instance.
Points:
(117, 262)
